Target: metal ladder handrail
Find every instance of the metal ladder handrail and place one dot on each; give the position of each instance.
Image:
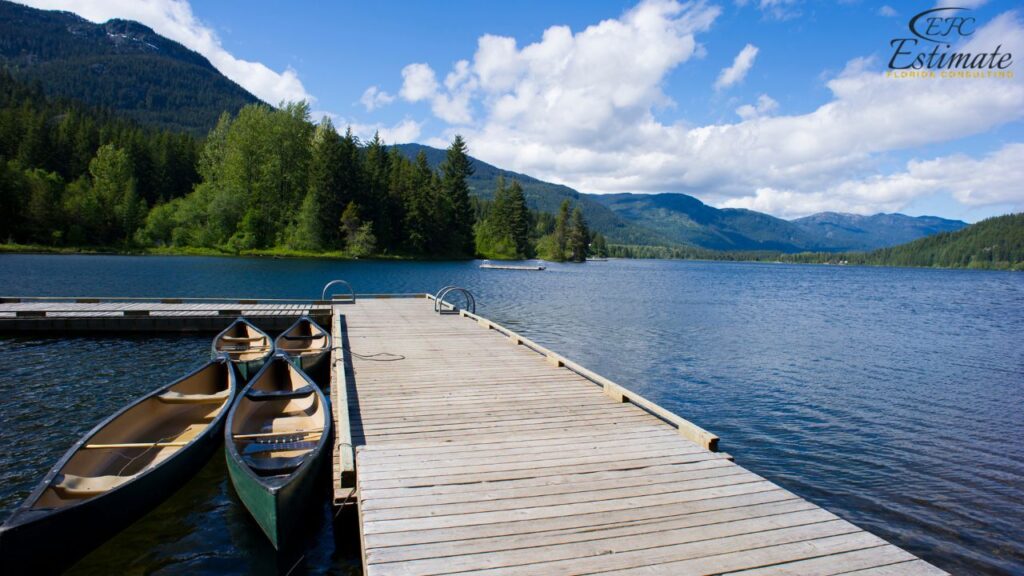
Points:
(323, 295)
(443, 292)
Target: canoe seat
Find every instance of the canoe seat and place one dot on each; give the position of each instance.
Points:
(279, 394)
(242, 338)
(173, 397)
(72, 486)
(305, 337)
(289, 424)
(274, 466)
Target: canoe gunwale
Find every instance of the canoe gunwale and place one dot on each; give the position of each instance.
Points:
(26, 513)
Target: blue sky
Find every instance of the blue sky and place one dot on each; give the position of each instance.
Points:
(635, 97)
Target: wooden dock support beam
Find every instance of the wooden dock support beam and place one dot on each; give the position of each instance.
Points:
(344, 453)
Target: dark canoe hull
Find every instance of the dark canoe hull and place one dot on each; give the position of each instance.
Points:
(47, 542)
(278, 511)
(311, 364)
(249, 368)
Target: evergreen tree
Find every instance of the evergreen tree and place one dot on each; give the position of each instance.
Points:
(316, 224)
(455, 171)
(578, 237)
(373, 200)
(519, 220)
(420, 212)
(562, 230)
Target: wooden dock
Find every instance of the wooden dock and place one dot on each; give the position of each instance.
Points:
(111, 315)
(470, 449)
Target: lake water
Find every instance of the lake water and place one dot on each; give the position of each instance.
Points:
(892, 397)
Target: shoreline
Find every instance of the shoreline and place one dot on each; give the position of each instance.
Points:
(281, 254)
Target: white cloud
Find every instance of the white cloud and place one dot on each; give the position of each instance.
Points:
(400, 133)
(887, 11)
(579, 108)
(740, 66)
(373, 98)
(996, 179)
(175, 20)
(419, 82)
(765, 106)
(779, 9)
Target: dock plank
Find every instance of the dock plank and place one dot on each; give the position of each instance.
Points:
(475, 454)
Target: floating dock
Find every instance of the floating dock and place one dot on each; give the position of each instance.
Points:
(471, 449)
(116, 315)
(478, 451)
(536, 267)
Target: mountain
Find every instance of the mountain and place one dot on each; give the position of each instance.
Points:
(120, 65)
(855, 232)
(993, 243)
(678, 219)
(546, 197)
(686, 220)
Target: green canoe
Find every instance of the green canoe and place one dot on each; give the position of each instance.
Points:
(276, 442)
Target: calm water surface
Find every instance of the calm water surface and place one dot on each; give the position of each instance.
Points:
(892, 397)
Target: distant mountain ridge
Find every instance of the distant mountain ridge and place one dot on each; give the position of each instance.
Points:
(545, 196)
(857, 232)
(120, 65)
(672, 218)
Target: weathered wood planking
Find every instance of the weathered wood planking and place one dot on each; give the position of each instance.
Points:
(141, 315)
(479, 451)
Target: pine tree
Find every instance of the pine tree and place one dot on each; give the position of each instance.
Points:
(456, 170)
(420, 213)
(373, 200)
(562, 230)
(578, 237)
(321, 208)
(519, 220)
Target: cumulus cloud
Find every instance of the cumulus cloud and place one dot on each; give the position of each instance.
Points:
(419, 82)
(175, 20)
(373, 98)
(399, 133)
(887, 11)
(765, 106)
(740, 66)
(584, 109)
(996, 179)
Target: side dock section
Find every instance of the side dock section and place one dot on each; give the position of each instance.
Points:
(87, 315)
(471, 449)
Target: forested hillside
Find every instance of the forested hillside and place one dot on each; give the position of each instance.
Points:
(995, 244)
(120, 65)
(56, 161)
(264, 180)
